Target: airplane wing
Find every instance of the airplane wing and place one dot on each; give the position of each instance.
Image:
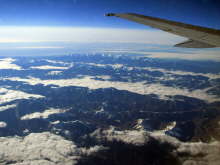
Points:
(199, 37)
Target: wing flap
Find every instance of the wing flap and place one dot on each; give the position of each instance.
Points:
(194, 44)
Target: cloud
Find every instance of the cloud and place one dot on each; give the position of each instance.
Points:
(114, 66)
(56, 72)
(7, 63)
(3, 124)
(47, 148)
(7, 95)
(6, 107)
(59, 62)
(140, 125)
(49, 67)
(132, 137)
(159, 51)
(85, 34)
(91, 150)
(196, 153)
(195, 55)
(176, 72)
(179, 72)
(43, 115)
(41, 148)
(38, 148)
(143, 87)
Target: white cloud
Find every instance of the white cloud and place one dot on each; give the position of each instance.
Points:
(195, 55)
(185, 54)
(160, 51)
(48, 67)
(6, 107)
(114, 66)
(129, 136)
(165, 71)
(3, 124)
(189, 153)
(179, 72)
(56, 72)
(38, 148)
(140, 126)
(91, 150)
(41, 149)
(104, 77)
(196, 153)
(7, 63)
(55, 122)
(137, 87)
(7, 95)
(44, 114)
(59, 62)
(49, 149)
(86, 34)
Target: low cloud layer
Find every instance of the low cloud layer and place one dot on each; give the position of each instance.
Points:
(197, 55)
(138, 87)
(43, 115)
(114, 66)
(59, 62)
(56, 72)
(132, 137)
(183, 73)
(7, 63)
(183, 54)
(7, 95)
(194, 153)
(6, 107)
(165, 71)
(49, 149)
(41, 149)
(187, 153)
(49, 67)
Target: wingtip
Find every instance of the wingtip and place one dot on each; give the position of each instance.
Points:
(110, 14)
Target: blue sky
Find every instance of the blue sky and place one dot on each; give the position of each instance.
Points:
(45, 26)
(89, 13)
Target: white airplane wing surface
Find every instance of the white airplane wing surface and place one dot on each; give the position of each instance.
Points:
(198, 37)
